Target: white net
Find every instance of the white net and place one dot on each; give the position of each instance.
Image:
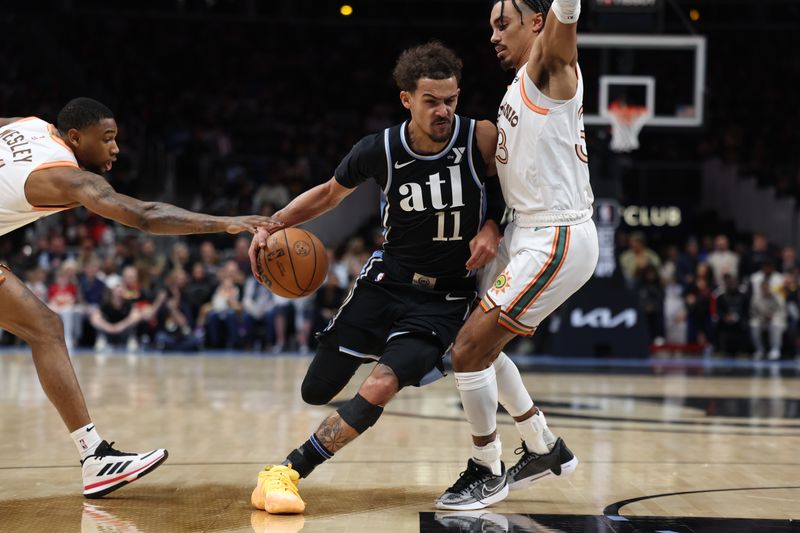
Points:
(626, 123)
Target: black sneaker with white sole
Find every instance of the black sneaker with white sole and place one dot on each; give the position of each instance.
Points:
(473, 521)
(532, 467)
(476, 488)
(109, 469)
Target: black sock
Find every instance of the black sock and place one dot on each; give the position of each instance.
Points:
(308, 456)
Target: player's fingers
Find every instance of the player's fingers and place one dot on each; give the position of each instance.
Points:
(253, 259)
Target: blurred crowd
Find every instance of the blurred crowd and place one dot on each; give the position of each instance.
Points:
(118, 291)
(733, 298)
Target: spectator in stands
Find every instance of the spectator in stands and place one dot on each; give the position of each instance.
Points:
(789, 262)
(174, 319)
(722, 260)
(686, 266)
(775, 312)
(767, 314)
(36, 282)
(327, 301)
(180, 258)
(56, 253)
(223, 317)
(91, 287)
(240, 254)
(109, 271)
(637, 258)
(258, 303)
(676, 326)
(199, 289)
(651, 301)
(62, 297)
(731, 317)
(209, 257)
(758, 253)
(115, 321)
(698, 307)
(150, 264)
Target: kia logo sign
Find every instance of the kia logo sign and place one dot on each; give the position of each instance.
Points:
(603, 318)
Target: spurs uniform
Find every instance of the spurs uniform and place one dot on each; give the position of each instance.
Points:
(27, 145)
(550, 247)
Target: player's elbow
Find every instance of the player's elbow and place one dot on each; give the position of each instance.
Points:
(146, 217)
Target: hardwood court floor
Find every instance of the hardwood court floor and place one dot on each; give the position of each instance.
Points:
(658, 453)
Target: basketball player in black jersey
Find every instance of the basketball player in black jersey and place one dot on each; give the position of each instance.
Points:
(412, 297)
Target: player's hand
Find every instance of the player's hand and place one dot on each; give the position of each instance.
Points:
(483, 246)
(259, 241)
(252, 223)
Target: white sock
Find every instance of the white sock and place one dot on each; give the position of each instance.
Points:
(489, 456)
(478, 392)
(86, 440)
(537, 436)
(511, 391)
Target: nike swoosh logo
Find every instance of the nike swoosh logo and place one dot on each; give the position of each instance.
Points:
(89, 429)
(487, 491)
(454, 298)
(398, 166)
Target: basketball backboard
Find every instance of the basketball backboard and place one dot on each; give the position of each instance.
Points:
(665, 73)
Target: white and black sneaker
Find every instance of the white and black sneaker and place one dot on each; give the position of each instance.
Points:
(476, 488)
(532, 467)
(477, 521)
(109, 469)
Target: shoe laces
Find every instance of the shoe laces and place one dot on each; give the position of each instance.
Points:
(523, 450)
(279, 479)
(105, 449)
(468, 478)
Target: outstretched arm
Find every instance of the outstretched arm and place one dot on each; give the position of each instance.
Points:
(305, 207)
(66, 186)
(313, 203)
(556, 50)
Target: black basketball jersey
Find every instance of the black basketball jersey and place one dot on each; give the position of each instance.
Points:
(432, 205)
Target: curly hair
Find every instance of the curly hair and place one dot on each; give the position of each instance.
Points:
(432, 60)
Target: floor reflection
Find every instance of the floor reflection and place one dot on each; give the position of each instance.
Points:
(483, 521)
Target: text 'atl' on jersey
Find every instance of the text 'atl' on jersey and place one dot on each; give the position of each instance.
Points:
(431, 205)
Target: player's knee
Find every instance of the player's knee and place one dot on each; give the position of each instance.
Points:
(317, 392)
(380, 386)
(359, 413)
(49, 328)
(467, 354)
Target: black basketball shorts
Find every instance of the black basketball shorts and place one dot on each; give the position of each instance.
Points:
(401, 325)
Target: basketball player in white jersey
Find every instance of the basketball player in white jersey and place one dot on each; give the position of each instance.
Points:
(549, 249)
(44, 170)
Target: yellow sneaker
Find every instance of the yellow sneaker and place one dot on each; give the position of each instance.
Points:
(276, 491)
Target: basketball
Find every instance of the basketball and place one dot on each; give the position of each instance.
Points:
(294, 263)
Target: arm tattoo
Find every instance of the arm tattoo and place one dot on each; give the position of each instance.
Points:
(334, 433)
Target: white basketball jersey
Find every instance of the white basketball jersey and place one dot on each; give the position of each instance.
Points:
(27, 145)
(541, 155)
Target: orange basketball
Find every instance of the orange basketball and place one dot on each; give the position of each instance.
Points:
(294, 263)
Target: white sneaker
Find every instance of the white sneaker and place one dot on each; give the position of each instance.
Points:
(109, 469)
(774, 355)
